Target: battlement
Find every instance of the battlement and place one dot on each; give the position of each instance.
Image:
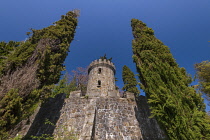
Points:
(100, 62)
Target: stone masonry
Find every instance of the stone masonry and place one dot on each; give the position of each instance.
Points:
(99, 115)
(101, 82)
(99, 118)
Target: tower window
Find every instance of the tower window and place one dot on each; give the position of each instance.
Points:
(99, 71)
(99, 83)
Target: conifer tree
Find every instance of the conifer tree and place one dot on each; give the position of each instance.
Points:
(203, 75)
(29, 70)
(176, 106)
(129, 81)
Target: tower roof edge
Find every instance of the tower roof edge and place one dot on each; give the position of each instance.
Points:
(101, 62)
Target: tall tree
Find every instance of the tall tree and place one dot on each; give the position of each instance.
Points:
(30, 69)
(203, 75)
(129, 81)
(81, 77)
(177, 107)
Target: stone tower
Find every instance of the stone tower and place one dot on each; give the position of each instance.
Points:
(101, 80)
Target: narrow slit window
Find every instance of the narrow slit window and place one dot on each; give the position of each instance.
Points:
(99, 71)
(99, 83)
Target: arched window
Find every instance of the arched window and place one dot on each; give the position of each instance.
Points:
(99, 71)
(99, 83)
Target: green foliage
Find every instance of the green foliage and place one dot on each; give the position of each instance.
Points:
(63, 33)
(14, 108)
(59, 35)
(43, 137)
(5, 50)
(48, 122)
(86, 96)
(61, 87)
(18, 137)
(47, 48)
(129, 81)
(203, 75)
(175, 105)
(64, 86)
(72, 86)
(77, 80)
(11, 109)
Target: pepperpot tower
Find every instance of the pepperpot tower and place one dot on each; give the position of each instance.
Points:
(101, 80)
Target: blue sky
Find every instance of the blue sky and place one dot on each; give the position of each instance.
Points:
(104, 27)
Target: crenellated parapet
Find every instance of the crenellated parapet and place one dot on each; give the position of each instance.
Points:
(100, 62)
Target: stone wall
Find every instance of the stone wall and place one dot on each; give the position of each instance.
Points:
(149, 126)
(107, 119)
(98, 118)
(72, 118)
(48, 114)
(115, 120)
(36, 124)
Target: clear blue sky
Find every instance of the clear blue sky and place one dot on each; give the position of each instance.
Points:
(104, 27)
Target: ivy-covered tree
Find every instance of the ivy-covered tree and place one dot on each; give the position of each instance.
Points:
(29, 70)
(129, 81)
(176, 105)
